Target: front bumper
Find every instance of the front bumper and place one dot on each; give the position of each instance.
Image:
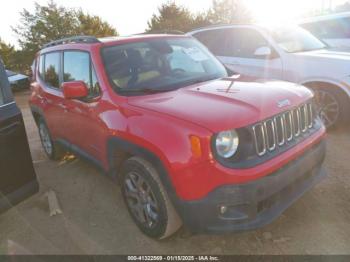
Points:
(255, 204)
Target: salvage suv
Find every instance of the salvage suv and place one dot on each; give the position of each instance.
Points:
(187, 143)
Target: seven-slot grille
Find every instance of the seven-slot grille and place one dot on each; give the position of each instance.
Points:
(281, 129)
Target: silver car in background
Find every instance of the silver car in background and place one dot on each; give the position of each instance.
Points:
(332, 29)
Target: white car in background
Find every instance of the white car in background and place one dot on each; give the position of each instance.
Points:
(332, 29)
(287, 53)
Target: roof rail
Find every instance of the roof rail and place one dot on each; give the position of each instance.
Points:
(164, 31)
(219, 25)
(74, 39)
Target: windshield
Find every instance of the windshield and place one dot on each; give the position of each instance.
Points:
(160, 65)
(296, 39)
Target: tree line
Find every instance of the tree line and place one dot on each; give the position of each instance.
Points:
(51, 22)
(47, 23)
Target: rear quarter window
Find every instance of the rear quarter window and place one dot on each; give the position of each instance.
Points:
(41, 66)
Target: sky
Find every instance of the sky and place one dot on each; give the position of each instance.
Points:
(131, 16)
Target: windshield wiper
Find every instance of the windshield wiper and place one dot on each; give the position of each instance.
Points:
(199, 80)
(146, 90)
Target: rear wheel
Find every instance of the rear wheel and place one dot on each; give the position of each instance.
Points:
(52, 150)
(147, 200)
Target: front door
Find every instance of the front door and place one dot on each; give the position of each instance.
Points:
(242, 43)
(17, 176)
(81, 117)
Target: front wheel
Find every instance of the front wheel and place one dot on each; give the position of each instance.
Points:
(330, 106)
(147, 200)
(52, 150)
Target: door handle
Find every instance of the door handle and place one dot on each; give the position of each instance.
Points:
(8, 130)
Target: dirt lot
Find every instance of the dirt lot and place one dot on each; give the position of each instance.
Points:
(95, 220)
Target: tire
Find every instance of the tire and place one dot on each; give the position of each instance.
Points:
(147, 200)
(52, 149)
(332, 105)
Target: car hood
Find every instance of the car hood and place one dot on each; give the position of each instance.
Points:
(322, 64)
(326, 54)
(226, 103)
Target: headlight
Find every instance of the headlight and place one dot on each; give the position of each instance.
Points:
(227, 143)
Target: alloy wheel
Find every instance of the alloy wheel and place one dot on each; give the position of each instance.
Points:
(141, 200)
(327, 107)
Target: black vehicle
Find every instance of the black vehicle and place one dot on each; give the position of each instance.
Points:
(17, 176)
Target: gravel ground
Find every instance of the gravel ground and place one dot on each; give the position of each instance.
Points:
(95, 220)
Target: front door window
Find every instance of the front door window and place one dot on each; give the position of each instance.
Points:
(249, 41)
(77, 66)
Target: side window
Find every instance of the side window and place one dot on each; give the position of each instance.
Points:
(51, 72)
(41, 66)
(217, 41)
(246, 42)
(333, 29)
(346, 25)
(77, 66)
(330, 29)
(314, 28)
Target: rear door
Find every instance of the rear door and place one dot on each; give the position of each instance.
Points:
(17, 176)
(50, 95)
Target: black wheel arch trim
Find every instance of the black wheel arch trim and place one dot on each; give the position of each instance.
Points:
(116, 143)
(37, 110)
(325, 84)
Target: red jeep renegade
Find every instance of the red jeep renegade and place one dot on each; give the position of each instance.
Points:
(188, 144)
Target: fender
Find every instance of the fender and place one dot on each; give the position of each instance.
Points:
(37, 110)
(342, 85)
(116, 144)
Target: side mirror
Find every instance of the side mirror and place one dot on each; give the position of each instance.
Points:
(74, 90)
(263, 51)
